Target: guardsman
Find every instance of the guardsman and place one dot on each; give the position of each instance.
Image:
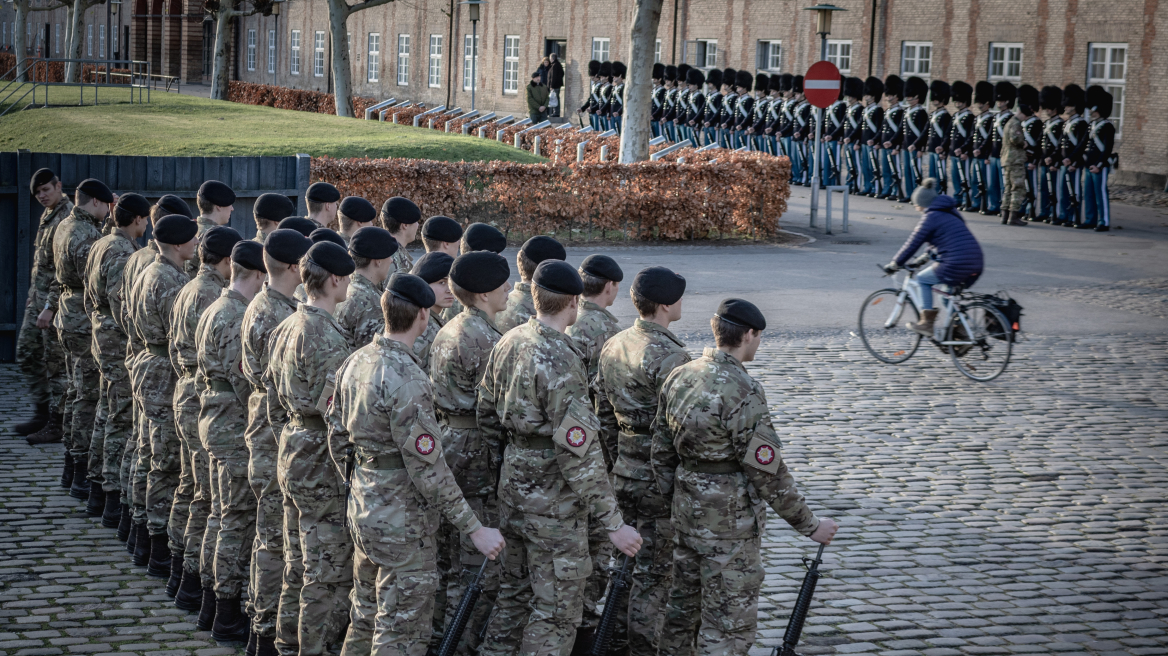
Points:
(744, 108)
(870, 139)
(915, 132)
(834, 125)
(1014, 160)
(520, 305)
(224, 396)
(534, 408)
(891, 137)
(780, 126)
(802, 129)
(657, 98)
(269, 210)
(762, 111)
(1028, 105)
(604, 93)
(1073, 146)
(982, 143)
(940, 127)
(589, 106)
(729, 110)
(353, 214)
(359, 315)
(633, 367)
(669, 112)
(401, 217)
(215, 201)
(716, 455)
(434, 268)
(1004, 95)
(712, 114)
(1097, 160)
(38, 349)
(323, 201)
(1050, 103)
(961, 145)
(696, 105)
(761, 102)
(681, 107)
(853, 133)
(616, 106)
(304, 354)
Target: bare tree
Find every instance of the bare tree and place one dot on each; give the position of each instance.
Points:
(23, 8)
(339, 12)
(73, 39)
(634, 142)
(224, 11)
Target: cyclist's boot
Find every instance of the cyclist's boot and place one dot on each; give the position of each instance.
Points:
(925, 325)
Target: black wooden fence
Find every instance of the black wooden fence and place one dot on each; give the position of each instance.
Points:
(150, 176)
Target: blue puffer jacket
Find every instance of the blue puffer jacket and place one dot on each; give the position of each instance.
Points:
(959, 257)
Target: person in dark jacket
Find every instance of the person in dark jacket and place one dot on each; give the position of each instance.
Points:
(959, 260)
(537, 100)
(556, 82)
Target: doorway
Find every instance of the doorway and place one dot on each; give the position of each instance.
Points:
(558, 46)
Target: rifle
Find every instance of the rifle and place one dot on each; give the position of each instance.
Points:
(853, 170)
(349, 464)
(802, 606)
(462, 616)
(1070, 184)
(612, 604)
(877, 174)
(832, 163)
(979, 169)
(894, 163)
(1030, 197)
(914, 160)
(963, 176)
(942, 174)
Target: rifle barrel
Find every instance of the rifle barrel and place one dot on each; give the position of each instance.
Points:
(462, 615)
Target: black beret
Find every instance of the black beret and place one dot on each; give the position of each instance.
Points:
(172, 204)
(217, 193)
(482, 237)
(135, 204)
(299, 224)
(558, 277)
(273, 207)
(603, 266)
(287, 246)
(322, 192)
(433, 267)
(741, 313)
(41, 177)
(411, 289)
(358, 209)
(373, 243)
(540, 248)
(402, 210)
(249, 255)
(332, 258)
(442, 228)
(480, 272)
(659, 284)
(220, 240)
(96, 189)
(175, 229)
(324, 234)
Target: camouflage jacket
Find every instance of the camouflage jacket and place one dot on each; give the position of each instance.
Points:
(449, 313)
(360, 313)
(103, 292)
(75, 235)
(383, 410)
(520, 308)
(189, 306)
(458, 359)
(423, 342)
(266, 311)
(402, 260)
(633, 367)
(44, 288)
(151, 304)
(534, 398)
(131, 272)
(594, 326)
(712, 411)
(224, 391)
(1013, 144)
(195, 263)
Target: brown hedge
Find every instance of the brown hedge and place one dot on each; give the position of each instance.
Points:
(55, 71)
(300, 100)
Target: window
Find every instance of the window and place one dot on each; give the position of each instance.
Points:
(373, 60)
(251, 50)
(434, 79)
(657, 52)
(470, 53)
(1107, 67)
(403, 60)
(101, 41)
(88, 39)
(840, 54)
(5, 25)
(916, 58)
(272, 51)
(706, 54)
(1005, 62)
(318, 54)
(114, 41)
(770, 56)
(510, 64)
(600, 49)
(56, 37)
(294, 57)
(28, 43)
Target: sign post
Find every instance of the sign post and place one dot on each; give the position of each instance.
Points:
(821, 86)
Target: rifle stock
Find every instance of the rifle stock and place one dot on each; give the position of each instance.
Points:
(802, 606)
(462, 615)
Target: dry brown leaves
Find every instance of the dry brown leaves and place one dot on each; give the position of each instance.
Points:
(300, 100)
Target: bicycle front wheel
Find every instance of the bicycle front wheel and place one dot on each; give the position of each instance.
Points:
(882, 319)
(981, 345)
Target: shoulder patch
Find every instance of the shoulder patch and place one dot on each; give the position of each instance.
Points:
(762, 455)
(326, 396)
(424, 443)
(577, 430)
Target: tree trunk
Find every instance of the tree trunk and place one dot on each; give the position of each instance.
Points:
(219, 65)
(342, 74)
(76, 22)
(635, 134)
(18, 44)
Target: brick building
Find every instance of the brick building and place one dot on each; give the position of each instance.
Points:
(421, 49)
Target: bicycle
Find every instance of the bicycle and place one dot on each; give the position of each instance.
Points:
(976, 335)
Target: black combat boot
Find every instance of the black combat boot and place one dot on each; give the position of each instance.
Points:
(231, 626)
(190, 593)
(95, 506)
(132, 537)
(111, 517)
(142, 546)
(67, 473)
(51, 433)
(80, 487)
(266, 647)
(583, 644)
(38, 421)
(206, 610)
(159, 564)
(125, 523)
(176, 570)
(252, 643)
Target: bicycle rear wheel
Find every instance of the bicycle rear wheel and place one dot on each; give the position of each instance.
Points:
(881, 324)
(989, 342)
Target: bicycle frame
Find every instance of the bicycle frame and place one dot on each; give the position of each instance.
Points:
(909, 287)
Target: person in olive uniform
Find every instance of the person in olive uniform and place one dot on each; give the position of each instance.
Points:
(520, 306)
(401, 217)
(322, 200)
(360, 315)
(353, 214)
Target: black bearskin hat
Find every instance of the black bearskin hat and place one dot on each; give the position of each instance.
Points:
(1027, 99)
(940, 91)
(593, 68)
(694, 76)
(761, 81)
(1005, 92)
(894, 86)
(714, 77)
(854, 88)
(1073, 96)
(671, 73)
(961, 92)
(983, 93)
(1051, 98)
(619, 69)
(658, 71)
(874, 87)
(917, 88)
(744, 80)
(797, 84)
(1099, 100)
(786, 82)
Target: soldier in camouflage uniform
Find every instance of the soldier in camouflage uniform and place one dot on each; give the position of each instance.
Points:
(400, 216)
(458, 358)
(355, 213)
(382, 429)
(322, 201)
(282, 252)
(38, 349)
(633, 367)
(476, 237)
(520, 306)
(222, 421)
(215, 201)
(442, 234)
(434, 268)
(716, 454)
(534, 398)
(269, 210)
(1016, 156)
(304, 354)
(359, 315)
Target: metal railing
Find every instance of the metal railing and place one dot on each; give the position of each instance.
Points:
(36, 72)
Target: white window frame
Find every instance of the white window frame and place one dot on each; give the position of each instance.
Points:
(373, 57)
(251, 49)
(706, 53)
(403, 60)
(601, 48)
(113, 43)
(100, 41)
(272, 51)
(88, 39)
(318, 43)
(911, 60)
(294, 53)
(1113, 78)
(839, 52)
(769, 53)
(469, 56)
(1005, 62)
(657, 52)
(434, 70)
(511, 64)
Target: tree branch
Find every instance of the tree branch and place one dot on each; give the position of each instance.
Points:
(366, 4)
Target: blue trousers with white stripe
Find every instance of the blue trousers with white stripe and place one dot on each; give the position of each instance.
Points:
(957, 168)
(993, 184)
(908, 174)
(867, 175)
(1096, 202)
(888, 188)
(1073, 180)
(1048, 199)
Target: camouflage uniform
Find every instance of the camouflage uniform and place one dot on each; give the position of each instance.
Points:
(520, 308)
(594, 326)
(458, 359)
(136, 459)
(716, 453)
(39, 352)
(304, 354)
(384, 411)
(402, 261)
(72, 241)
(534, 397)
(194, 517)
(195, 263)
(633, 367)
(359, 315)
(222, 420)
(423, 342)
(1013, 166)
(449, 313)
(264, 313)
(104, 300)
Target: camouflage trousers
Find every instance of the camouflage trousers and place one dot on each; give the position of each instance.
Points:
(717, 581)
(646, 510)
(1013, 187)
(115, 419)
(193, 523)
(165, 450)
(464, 560)
(267, 553)
(236, 506)
(136, 459)
(541, 590)
(392, 601)
(600, 551)
(41, 358)
(82, 394)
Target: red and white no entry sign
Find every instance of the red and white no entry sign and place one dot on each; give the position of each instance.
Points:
(821, 85)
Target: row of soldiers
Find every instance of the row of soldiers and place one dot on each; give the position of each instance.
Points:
(315, 418)
(606, 95)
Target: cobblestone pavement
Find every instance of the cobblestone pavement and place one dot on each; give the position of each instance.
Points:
(1023, 516)
(1145, 296)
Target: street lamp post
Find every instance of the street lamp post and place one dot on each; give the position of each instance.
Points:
(823, 28)
(474, 7)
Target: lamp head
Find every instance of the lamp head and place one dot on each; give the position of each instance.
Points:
(823, 22)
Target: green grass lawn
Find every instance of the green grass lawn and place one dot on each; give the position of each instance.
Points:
(177, 125)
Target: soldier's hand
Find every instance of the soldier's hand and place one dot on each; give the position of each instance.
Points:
(627, 540)
(826, 531)
(887, 144)
(489, 541)
(45, 319)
